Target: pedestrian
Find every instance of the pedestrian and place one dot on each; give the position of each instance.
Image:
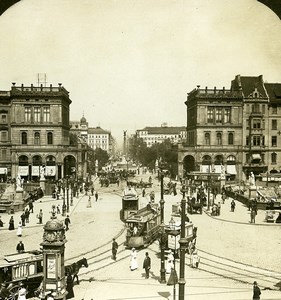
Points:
(58, 209)
(26, 214)
(253, 216)
(256, 291)
(134, 260)
(1, 222)
(22, 292)
(67, 222)
(170, 262)
(219, 208)
(69, 287)
(143, 192)
(4, 292)
(96, 195)
(20, 247)
(40, 216)
(92, 190)
(30, 205)
(195, 259)
(232, 205)
(147, 264)
(19, 231)
(114, 249)
(23, 219)
(11, 223)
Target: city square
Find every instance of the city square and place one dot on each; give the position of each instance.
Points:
(140, 150)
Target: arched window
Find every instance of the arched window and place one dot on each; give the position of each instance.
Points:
(36, 138)
(219, 138)
(24, 138)
(207, 138)
(230, 138)
(49, 138)
(273, 158)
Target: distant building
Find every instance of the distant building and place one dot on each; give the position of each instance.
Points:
(100, 138)
(152, 135)
(236, 130)
(95, 137)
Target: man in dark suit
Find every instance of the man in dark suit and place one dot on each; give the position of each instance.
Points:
(147, 264)
(256, 291)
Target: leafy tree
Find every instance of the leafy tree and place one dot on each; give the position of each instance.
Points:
(98, 154)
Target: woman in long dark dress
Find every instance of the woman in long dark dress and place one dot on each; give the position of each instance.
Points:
(11, 223)
(69, 287)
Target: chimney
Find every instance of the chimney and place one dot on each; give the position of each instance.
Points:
(223, 89)
(215, 90)
(206, 89)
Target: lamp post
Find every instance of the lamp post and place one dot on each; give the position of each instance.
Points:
(67, 194)
(71, 193)
(183, 244)
(173, 277)
(163, 238)
(63, 204)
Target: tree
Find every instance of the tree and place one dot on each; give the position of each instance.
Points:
(98, 154)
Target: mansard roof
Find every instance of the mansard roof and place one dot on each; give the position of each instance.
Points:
(164, 130)
(249, 84)
(97, 130)
(274, 92)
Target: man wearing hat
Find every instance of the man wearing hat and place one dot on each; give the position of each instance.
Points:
(256, 291)
(4, 292)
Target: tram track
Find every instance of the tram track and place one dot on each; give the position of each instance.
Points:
(99, 258)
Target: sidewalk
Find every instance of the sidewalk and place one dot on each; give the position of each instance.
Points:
(240, 215)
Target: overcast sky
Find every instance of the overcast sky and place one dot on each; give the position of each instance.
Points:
(130, 64)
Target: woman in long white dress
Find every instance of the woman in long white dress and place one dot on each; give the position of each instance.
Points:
(134, 260)
(170, 262)
(19, 231)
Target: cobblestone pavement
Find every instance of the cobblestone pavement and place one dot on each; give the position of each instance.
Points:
(92, 228)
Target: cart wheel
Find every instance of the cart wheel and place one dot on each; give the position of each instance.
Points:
(14, 292)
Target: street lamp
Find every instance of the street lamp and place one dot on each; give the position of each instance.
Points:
(183, 243)
(163, 238)
(67, 194)
(173, 280)
(63, 204)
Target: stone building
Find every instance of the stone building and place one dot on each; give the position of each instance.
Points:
(235, 130)
(152, 135)
(37, 130)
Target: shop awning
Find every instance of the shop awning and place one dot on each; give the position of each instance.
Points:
(256, 157)
(231, 169)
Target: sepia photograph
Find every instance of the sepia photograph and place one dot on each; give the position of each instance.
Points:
(140, 149)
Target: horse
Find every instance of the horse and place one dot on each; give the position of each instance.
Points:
(74, 268)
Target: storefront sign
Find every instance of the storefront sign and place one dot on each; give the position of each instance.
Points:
(23, 170)
(50, 171)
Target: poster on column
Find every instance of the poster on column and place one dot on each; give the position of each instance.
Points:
(50, 171)
(23, 170)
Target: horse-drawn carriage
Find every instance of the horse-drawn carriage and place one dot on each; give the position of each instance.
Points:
(26, 268)
(195, 205)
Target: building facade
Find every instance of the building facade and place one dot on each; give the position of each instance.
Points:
(233, 131)
(152, 135)
(35, 133)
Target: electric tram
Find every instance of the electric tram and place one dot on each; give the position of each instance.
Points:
(130, 202)
(143, 227)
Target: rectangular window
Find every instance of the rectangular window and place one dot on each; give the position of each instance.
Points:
(256, 123)
(37, 114)
(46, 114)
(274, 124)
(27, 114)
(3, 154)
(274, 141)
(227, 118)
(218, 115)
(4, 136)
(210, 115)
(4, 118)
(256, 140)
(263, 108)
(274, 109)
